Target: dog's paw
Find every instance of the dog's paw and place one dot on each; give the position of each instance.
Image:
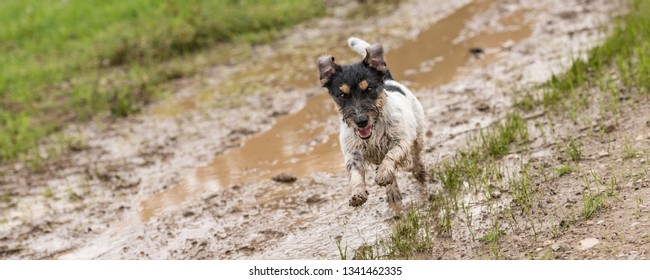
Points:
(393, 196)
(384, 176)
(359, 198)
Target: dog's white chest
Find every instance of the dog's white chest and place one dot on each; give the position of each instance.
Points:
(373, 149)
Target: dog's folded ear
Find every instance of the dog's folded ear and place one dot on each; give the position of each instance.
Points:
(326, 68)
(375, 58)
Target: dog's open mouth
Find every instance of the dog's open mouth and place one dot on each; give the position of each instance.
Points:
(364, 133)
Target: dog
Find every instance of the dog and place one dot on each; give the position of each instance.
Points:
(381, 120)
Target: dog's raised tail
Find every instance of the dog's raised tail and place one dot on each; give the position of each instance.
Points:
(358, 45)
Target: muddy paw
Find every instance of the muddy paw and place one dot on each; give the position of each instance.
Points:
(384, 177)
(359, 199)
(393, 196)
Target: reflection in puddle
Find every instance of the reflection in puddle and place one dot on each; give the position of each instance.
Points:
(300, 144)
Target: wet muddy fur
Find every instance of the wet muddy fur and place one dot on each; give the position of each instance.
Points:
(381, 120)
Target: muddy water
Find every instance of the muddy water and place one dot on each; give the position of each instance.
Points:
(299, 143)
(435, 57)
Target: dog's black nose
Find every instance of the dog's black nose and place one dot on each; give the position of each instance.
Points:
(361, 121)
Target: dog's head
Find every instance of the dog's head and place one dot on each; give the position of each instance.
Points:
(357, 89)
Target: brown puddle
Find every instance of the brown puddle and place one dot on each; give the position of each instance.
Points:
(294, 145)
(299, 144)
(433, 59)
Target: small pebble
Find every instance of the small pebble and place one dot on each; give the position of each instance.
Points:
(588, 243)
(284, 178)
(558, 246)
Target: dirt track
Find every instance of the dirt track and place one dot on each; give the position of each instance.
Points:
(194, 181)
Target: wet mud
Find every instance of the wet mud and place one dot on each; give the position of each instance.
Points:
(202, 186)
(301, 143)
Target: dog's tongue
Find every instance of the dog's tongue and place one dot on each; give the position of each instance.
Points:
(365, 132)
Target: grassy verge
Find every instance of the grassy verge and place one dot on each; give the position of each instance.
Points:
(66, 61)
(621, 66)
(621, 62)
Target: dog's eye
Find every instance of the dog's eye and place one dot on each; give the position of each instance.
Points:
(342, 95)
(369, 89)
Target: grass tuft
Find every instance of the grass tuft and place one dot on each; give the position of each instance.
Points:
(574, 150)
(563, 170)
(522, 189)
(365, 252)
(451, 178)
(628, 150)
(497, 142)
(343, 251)
(49, 193)
(492, 238)
(591, 204)
(411, 235)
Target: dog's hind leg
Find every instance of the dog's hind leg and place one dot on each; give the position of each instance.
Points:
(418, 167)
(393, 196)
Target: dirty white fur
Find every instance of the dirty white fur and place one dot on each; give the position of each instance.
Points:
(400, 120)
(396, 140)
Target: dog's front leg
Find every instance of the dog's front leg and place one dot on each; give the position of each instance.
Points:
(396, 154)
(356, 174)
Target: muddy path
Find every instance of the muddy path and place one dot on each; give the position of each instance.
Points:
(191, 176)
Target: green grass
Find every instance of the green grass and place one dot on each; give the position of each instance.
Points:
(441, 211)
(365, 252)
(343, 251)
(563, 170)
(477, 160)
(574, 150)
(451, 178)
(49, 193)
(65, 61)
(626, 50)
(628, 151)
(73, 196)
(522, 188)
(638, 200)
(497, 142)
(591, 204)
(411, 235)
(492, 238)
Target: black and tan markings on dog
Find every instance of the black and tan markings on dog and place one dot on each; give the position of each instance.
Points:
(381, 120)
